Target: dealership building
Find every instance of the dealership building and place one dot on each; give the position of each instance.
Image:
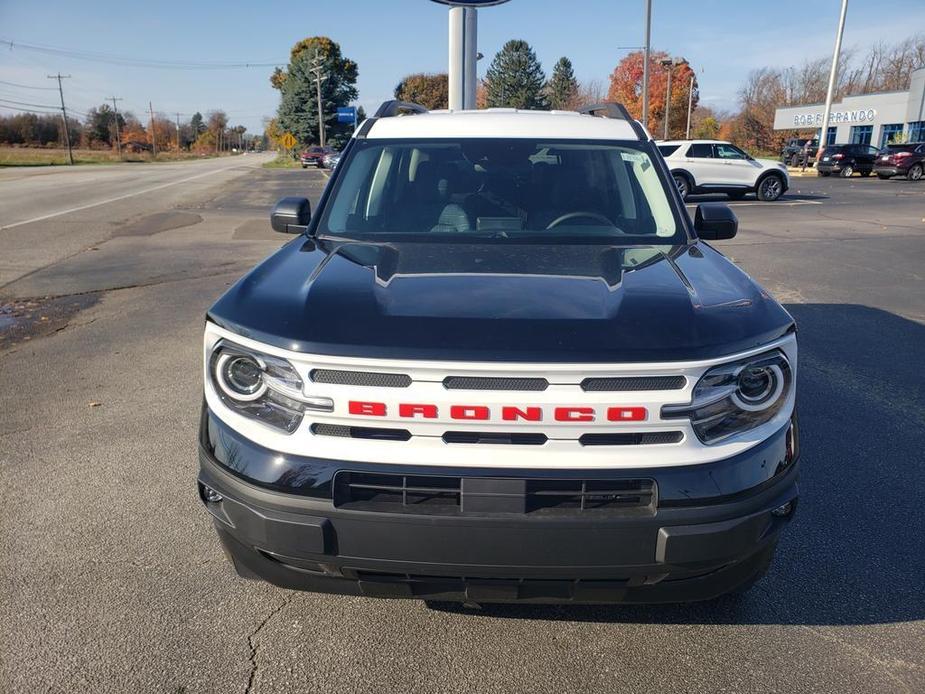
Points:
(870, 119)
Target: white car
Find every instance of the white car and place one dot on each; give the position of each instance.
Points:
(712, 166)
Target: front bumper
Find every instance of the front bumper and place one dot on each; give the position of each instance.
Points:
(710, 528)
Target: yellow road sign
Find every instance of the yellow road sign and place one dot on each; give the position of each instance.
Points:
(288, 140)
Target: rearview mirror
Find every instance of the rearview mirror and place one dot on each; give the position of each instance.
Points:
(291, 215)
(714, 221)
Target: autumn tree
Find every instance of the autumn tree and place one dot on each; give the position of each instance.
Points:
(515, 78)
(100, 127)
(298, 107)
(626, 88)
(562, 88)
(133, 131)
(429, 90)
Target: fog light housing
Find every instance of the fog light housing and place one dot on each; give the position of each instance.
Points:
(783, 510)
(209, 495)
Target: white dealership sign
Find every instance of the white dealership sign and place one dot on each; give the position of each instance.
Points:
(861, 115)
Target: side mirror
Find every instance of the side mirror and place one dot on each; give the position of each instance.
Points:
(714, 221)
(291, 215)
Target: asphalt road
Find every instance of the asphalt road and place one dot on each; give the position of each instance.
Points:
(112, 579)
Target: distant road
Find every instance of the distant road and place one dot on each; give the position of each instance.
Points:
(33, 194)
(48, 214)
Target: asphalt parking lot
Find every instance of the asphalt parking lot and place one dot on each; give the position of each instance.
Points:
(113, 580)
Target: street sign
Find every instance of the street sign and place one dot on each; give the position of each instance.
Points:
(347, 114)
(288, 140)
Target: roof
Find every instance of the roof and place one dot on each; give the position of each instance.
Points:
(503, 122)
(692, 142)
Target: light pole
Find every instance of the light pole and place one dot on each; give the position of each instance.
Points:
(463, 50)
(690, 107)
(668, 64)
(645, 65)
(833, 73)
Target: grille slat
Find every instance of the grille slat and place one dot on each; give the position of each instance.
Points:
(633, 383)
(370, 379)
(494, 383)
(517, 439)
(349, 432)
(645, 438)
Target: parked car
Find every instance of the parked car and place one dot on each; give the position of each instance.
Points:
(314, 156)
(332, 160)
(844, 160)
(901, 160)
(329, 161)
(713, 166)
(792, 153)
(500, 363)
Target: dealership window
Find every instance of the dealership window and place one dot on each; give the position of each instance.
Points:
(829, 136)
(861, 134)
(888, 131)
(917, 131)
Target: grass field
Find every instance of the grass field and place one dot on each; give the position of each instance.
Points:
(283, 161)
(40, 156)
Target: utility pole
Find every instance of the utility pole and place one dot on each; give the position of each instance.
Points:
(833, 73)
(645, 65)
(67, 134)
(153, 132)
(115, 110)
(178, 135)
(316, 70)
(690, 107)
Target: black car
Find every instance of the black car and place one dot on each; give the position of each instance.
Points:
(902, 160)
(844, 160)
(500, 362)
(792, 153)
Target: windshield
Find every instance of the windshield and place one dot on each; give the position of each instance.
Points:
(501, 189)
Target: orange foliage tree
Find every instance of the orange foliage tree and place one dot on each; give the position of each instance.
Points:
(626, 88)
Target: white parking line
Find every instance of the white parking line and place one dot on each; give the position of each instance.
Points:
(762, 204)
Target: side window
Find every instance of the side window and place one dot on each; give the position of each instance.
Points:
(873, 151)
(700, 151)
(668, 150)
(729, 152)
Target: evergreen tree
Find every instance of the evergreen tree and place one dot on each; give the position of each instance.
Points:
(562, 87)
(298, 107)
(515, 78)
(196, 124)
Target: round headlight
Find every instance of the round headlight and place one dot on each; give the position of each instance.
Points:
(758, 386)
(240, 376)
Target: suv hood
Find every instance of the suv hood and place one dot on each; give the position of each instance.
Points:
(502, 302)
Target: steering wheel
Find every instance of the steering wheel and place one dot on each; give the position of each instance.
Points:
(574, 215)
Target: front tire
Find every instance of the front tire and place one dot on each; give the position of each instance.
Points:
(770, 188)
(846, 171)
(915, 173)
(683, 184)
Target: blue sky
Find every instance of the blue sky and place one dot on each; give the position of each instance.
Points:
(723, 39)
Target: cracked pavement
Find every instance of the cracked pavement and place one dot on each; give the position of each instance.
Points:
(113, 580)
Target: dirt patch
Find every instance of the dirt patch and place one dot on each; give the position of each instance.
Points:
(156, 223)
(22, 320)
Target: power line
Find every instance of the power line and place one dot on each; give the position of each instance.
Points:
(26, 103)
(136, 62)
(26, 86)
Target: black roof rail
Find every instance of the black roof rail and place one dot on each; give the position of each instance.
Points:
(611, 109)
(398, 108)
